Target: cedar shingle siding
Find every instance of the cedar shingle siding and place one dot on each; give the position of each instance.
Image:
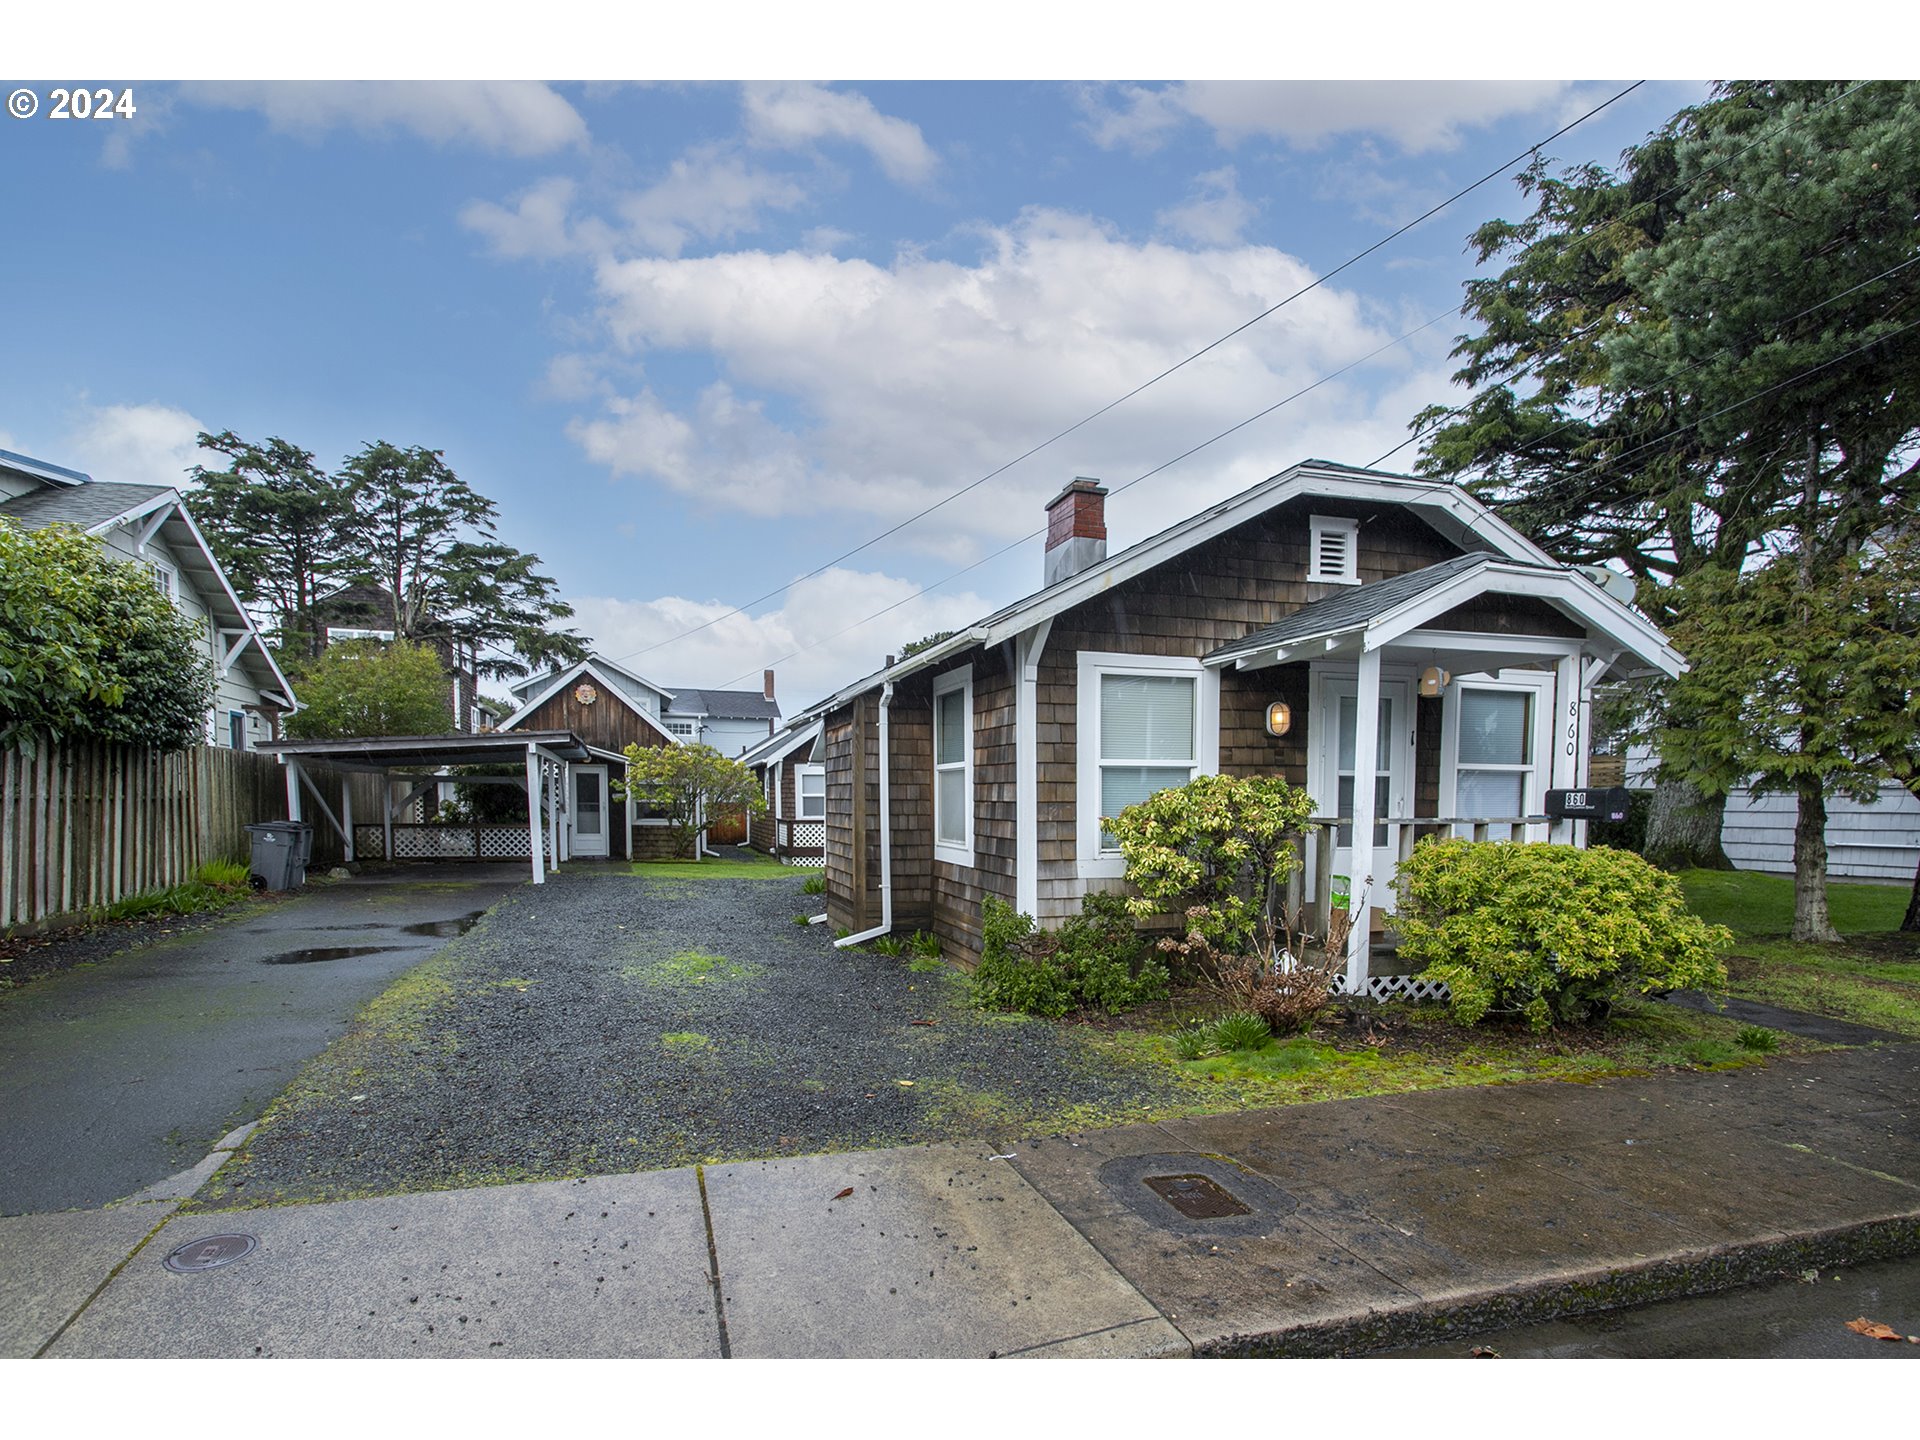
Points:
(1216, 593)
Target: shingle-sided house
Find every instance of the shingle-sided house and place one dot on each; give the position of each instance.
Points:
(610, 707)
(794, 782)
(150, 526)
(1244, 640)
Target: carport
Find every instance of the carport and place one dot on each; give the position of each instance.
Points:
(549, 756)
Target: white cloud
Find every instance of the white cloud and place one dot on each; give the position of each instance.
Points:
(1417, 115)
(534, 228)
(1216, 213)
(791, 115)
(874, 390)
(140, 444)
(514, 117)
(709, 193)
(807, 620)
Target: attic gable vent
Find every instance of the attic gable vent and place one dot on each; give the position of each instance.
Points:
(1333, 550)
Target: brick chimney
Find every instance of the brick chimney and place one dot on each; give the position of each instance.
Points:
(766, 684)
(1076, 529)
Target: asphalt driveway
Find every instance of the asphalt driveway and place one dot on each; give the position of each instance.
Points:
(121, 1073)
(610, 1022)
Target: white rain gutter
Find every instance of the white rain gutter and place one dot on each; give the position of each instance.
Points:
(885, 926)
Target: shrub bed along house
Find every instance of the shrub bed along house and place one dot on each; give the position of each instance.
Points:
(1548, 932)
(1094, 960)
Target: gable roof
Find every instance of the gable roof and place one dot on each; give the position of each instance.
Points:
(1376, 615)
(85, 505)
(606, 668)
(724, 704)
(99, 506)
(42, 470)
(777, 747)
(558, 680)
(1449, 509)
(1350, 607)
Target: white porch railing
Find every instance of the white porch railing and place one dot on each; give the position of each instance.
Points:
(1317, 846)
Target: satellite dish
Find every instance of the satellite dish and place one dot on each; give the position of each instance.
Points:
(1619, 586)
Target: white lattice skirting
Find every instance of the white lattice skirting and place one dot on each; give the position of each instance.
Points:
(448, 842)
(1405, 987)
(805, 862)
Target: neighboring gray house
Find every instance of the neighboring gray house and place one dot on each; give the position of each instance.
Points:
(731, 721)
(150, 526)
(1875, 840)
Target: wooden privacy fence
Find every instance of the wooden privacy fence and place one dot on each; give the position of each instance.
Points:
(85, 825)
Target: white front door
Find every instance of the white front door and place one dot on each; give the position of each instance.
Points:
(1334, 749)
(589, 811)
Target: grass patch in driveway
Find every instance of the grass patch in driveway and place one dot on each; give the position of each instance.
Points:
(1872, 977)
(760, 867)
(689, 967)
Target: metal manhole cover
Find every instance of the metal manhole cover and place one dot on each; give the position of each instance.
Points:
(210, 1252)
(1196, 1196)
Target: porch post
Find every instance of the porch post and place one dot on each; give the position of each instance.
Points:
(1366, 763)
(1565, 737)
(293, 786)
(386, 814)
(553, 812)
(534, 838)
(346, 814)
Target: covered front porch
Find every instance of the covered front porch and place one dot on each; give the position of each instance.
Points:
(1479, 674)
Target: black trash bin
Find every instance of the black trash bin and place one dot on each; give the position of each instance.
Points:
(280, 851)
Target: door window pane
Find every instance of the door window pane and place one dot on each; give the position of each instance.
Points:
(586, 802)
(1349, 706)
(1494, 728)
(1492, 794)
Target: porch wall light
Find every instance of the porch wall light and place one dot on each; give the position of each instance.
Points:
(1279, 718)
(1433, 680)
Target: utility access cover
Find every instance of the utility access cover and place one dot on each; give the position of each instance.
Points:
(1196, 1196)
(209, 1253)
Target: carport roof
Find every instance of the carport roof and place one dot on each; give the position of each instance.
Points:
(395, 752)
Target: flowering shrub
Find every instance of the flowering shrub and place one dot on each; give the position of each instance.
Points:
(1214, 850)
(1550, 932)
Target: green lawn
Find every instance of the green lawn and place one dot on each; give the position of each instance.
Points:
(1750, 904)
(1872, 977)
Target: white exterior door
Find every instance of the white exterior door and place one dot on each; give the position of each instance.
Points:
(1333, 733)
(589, 812)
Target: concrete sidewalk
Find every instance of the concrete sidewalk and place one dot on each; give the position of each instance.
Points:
(1347, 1226)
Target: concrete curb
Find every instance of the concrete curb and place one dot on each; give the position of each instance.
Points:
(1672, 1277)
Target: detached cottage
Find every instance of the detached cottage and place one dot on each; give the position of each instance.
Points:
(1244, 640)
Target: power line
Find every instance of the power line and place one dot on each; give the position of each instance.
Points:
(1028, 454)
(1618, 220)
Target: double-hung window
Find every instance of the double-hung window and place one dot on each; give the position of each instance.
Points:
(810, 791)
(1145, 724)
(953, 766)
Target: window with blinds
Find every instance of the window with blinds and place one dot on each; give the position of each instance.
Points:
(1147, 741)
(1495, 752)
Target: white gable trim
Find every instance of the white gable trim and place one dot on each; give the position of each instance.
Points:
(776, 748)
(1570, 591)
(565, 678)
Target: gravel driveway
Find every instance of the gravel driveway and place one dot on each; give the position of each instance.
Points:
(608, 1022)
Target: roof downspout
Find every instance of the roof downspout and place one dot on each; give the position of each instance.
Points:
(885, 926)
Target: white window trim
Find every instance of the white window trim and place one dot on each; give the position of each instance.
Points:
(166, 577)
(800, 795)
(1092, 862)
(1318, 525)
(948, 851)
(1538, 771)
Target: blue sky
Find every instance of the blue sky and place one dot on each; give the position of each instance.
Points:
(696, 339)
